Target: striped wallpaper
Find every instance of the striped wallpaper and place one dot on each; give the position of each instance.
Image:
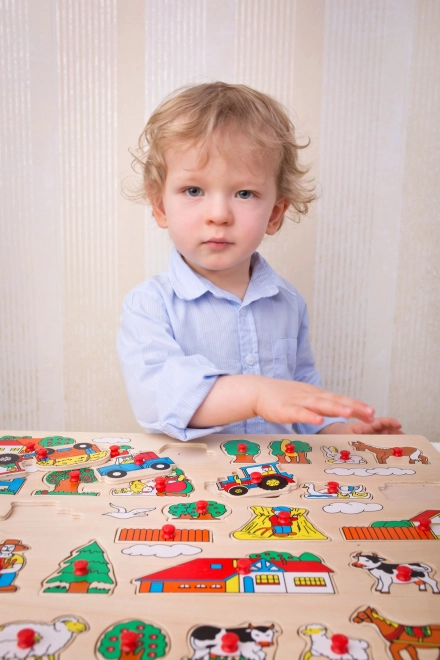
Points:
(79, 79)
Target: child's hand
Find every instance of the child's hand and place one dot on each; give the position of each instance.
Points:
(286, 402)
(380, 426)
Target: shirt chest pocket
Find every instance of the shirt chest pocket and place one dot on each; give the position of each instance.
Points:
(284, 357)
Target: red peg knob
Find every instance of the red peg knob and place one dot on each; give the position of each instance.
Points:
(332, 487)
(256, 477)
(339, 644)
(138, 460)
(289, 448)
(244, 566)
(403, 573)
(284, 516)
(26, 638)
(242, 448)
(229, 643)
(168, 532)
(160, 484)
(201, 506)
(425, 525)
(397, 451)
(80, 567)
(2, 564)
(41, 452)
(74, 477)
(129, 641)
(345, 455)
(114, 451)
(30, 446)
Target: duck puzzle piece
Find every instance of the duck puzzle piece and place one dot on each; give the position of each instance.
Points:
(334, 490)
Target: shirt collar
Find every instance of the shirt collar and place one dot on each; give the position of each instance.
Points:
(188, 285)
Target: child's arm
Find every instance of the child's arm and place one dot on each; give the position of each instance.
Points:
(235, 398)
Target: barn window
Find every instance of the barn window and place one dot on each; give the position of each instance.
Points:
(267, 579)
(184, 586)
(216, 586)
(216, 566)
(200, 586)
(310, 582)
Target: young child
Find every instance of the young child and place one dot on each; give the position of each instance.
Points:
(219, 342)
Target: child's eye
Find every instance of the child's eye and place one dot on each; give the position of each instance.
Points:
(245, 194)
(193, 191)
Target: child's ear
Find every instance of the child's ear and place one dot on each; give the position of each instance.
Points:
(277, 215)
(159, 213)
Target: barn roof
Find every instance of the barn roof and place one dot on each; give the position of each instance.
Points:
(425, 514)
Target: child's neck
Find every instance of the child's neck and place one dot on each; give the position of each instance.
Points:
(232, 281)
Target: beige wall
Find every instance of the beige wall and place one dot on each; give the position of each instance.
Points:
(80, 77)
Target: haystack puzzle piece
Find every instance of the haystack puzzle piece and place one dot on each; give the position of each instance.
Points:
(339, 491)
(325, 645)
(243, 451)
(200, 510)
(386, 574)
(265, 573)
(249, 642)
(175, 484)
(133, 638)
(263, 480)
(423, 527)
(382, 454)
(86, 571)
(401, 637)
(147, 463)
(283, 523)
(32, 639)
(290, 451)
(68, 482)
(11, 562)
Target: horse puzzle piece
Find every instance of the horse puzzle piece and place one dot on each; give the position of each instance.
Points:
(382, 454)
(323, 645)
(263, 480)
(387, 574)
(32, 639)
(401, 637)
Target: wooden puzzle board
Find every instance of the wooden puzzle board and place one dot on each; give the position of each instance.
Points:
(376, 508)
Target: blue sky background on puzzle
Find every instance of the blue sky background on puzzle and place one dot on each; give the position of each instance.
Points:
(80, 78)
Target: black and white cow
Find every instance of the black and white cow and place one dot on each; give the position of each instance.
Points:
(206, 642)
(386, 574)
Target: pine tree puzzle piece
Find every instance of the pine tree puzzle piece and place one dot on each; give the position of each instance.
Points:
(96, 577)
(132, 639)
(279, 523)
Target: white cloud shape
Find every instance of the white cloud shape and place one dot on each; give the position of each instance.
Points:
(366, 472)
(173, 550)
(112, 441)
(351, 507)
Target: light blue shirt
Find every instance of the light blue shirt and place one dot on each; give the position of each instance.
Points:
(179, 332)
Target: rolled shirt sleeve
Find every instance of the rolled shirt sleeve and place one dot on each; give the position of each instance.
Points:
(306, 372)
(165, 387)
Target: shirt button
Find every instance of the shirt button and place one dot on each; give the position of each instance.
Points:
(250, 360)
(243, 311)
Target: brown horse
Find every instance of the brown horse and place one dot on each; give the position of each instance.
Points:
(383, 453)
(400, 637)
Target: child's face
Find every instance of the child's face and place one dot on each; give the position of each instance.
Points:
(218, 214)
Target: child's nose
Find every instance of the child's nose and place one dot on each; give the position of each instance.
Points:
(218, 211)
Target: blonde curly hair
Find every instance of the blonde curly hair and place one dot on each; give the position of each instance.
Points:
(192, 114)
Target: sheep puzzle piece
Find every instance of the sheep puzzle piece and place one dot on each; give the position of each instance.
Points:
(224, 567)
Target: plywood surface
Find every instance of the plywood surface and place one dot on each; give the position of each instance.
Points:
(311, 576)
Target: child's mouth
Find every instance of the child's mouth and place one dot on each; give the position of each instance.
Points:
(217, 245)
